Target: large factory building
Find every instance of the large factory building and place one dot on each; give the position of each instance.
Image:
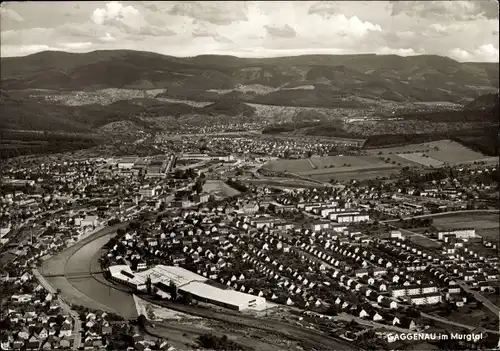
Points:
(187, 282)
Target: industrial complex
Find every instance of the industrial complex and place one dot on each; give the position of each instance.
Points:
(186, 282)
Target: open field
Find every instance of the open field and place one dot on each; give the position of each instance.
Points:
(293, 166)
(282, 182)
(478, 221)
(454, 153)
(380, 167)
(343, 167)
(357, 174)
(492, 234)
(424, 147)
(445, 151)
(218, 186)
(340, 161)
(418, 157)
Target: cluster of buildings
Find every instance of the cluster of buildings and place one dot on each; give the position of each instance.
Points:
(260, 145)
(316, 249)
(35, 317)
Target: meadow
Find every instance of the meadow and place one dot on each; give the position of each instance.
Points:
(444, 151)
(301, 165)
(420, 158)
(479, 221)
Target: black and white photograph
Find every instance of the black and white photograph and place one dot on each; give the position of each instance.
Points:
(249, 175)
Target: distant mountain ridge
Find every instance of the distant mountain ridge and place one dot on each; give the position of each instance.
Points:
(330, 79)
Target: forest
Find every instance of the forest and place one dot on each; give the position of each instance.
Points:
(20, 143)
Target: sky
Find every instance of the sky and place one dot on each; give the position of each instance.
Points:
(461, 30)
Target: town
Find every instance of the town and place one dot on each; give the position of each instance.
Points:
(206, 224)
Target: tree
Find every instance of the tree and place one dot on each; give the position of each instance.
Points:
(411, 312)
(187, 297)
(142, 320)
(148, 284)
(173, 291)
(198, 187)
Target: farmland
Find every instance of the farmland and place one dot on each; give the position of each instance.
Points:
(478, 221)
(293, 166)
(343, 161)
(342, 167)
(352, 173)
(332, 164)
(438, 152)
(380, 162)
(421, 158)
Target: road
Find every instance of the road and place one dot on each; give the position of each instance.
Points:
(77, 324)
(478, 296)
(441, 214)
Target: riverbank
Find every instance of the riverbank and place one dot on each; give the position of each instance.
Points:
(87, 289)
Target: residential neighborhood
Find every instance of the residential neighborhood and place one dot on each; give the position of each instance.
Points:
(189, 226)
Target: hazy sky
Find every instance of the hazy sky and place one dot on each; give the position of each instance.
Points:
(462, 30)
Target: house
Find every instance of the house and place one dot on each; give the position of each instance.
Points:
(64, 344)
(363, 314)
(44, 334)
(376, 317)
(106, 330)
(250, 208)
(407, 323)
(66, 329)
(387, 303)
(34, 343)
(18, 344)
(24, 334)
